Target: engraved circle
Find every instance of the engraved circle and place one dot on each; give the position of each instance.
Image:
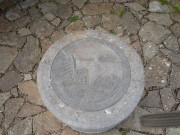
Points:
(90, 74)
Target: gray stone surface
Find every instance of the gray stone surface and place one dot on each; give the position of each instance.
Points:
(75, 26)
(56, 21)
(175, 16)
(155, 6)
(9, 38)
(63, 1)
(118, 7)
(29, 56)
(153, 32)
(27, 3)
(112, 132)
(34, 12)
(171, 43)
(7, 56)
(95, 1)
(108, 24)
(64, 11)
(24, 32)
(176, 29)
(79, 3)
(91, 21)
(163, 19)
(4, 97)
(173, 131)
(14, 14)
(47, 7)
(135, 6)
(5, 25)
(49, 16)
(175, 77)
(22, 22)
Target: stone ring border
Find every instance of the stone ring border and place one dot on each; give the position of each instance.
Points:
(96, 121)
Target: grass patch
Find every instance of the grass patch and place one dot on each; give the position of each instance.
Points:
(12, 6)
(122, 13)
(73, 19)
(164, 2)
(124, 132)
(100, 15)
(112, 32)
(176, 9)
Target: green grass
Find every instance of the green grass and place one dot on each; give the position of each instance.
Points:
(100, 15)
(122, 13)
(176, 9)
(73, 19)
(164, 2)
(12, 6)
(124, 132)
(112, 32)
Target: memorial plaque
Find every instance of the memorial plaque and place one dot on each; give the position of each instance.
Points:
(90, 80)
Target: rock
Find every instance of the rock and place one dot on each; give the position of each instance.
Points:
(34, 12)
(74, 26)
(118, 8)
(175, 77)
(127, 40)
(155, 110)
(156, 72)
(91, 21)
(4, 97)
(9, 80)
(63, 24)
(29, 110)
(133, 122)
(64, 11)
(176, 29)
(69, 131)
(153, 32)
(5, 25)
(97, 8)
(99, 28)
(108, 23)
(21, 41)
(49, 16)
(135, 6)
(150, 50)
(56, 36)
(112, 132)
(45, 122)
(7, 56)
(56, 21)
(163, 19)
(130, 23)
(1, 119)
(24, 32)
(134, 37)
(62, 1)
(42, 28)
(137, 46)
(123, 1)
(27, 77)
(48, 7)
(172, 43)
(172, 131)
(79, 3)
(95, 1)
(78, 14)
(134, 133)
(14, 92)
(152, 99)
(31, 90)
(175, 16)
(14, 14)
(45, 44)
(167, 98)
(1, 131)
(12, 107)
(8, 39)
(29, 56)
(28, 3)
(139, 16)
(22, 22)
(142, 2)
(22, 128)
(155, 6)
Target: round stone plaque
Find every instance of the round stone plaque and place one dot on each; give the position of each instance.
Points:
(91, 80)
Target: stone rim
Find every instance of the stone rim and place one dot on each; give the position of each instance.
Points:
(98, 121)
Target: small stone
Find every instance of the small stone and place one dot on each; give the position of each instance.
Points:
(152, 99)
(108, 23)
(95, 1)
(34, 12)
(153, 32)
(29, 56)
(78, 14)
(142, 2)
(46, 122)
(129, 23)
(64, 11)
(14, 92)
(155, 110)
(9, 80)
(45, 44)
(56, 36)
(134, 37)
(167, 98)
(22, 128)
(4, 97)
(134, 133)
(30, 89)
(91, 21)
(74, 26)
(49, 16)
(7, 56)
(22, 22)
(175, 77)
(174, 57)
(56, 21)
(14, 14)
(28, 3)
(150, 50)
(139, 16)
(47, 7)
(112, 132)
(175, 16)
(62, 1)
(34, 75)
(21, 42)
(133, 122)
(172, 43)
(137, 46)
(5, 25)
(8, 39)
(24, 32)
(163, 19)
(29, 110)
(69, 131)
(172, 131)
(42, 28)
(155, 6)
(135, 6)
(12, 107)
(156, 72)
(118, 8)
(79, 3)
(126, 39)
(176, 29)
(99, 28)
(97, 8)
(63, 24)
(27, 77)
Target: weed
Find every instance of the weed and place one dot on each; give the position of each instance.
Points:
(73, 19)
(122, 13)
(100, 15)
(176, 9)
(164, 2)
(112, 32)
